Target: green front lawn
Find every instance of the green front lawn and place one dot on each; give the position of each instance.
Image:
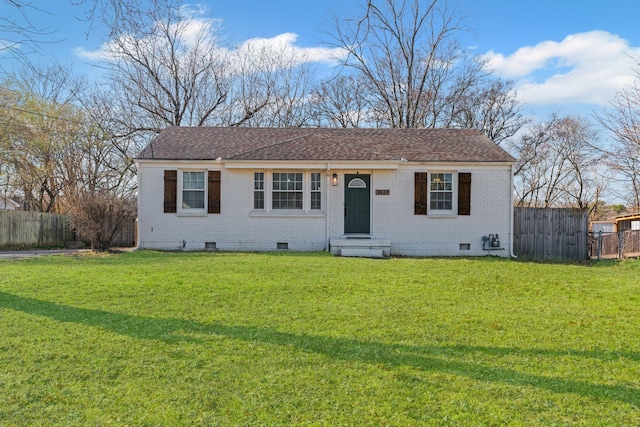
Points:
(151, 338)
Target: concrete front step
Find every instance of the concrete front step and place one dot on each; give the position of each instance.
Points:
(362, 252)
(360, 246)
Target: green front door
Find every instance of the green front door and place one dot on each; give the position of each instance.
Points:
(357, 206)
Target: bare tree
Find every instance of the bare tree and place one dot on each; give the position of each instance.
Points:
(491, 107)
(170, 70)
(342, 102)
(293, 86)
(557, 165)
(39, 123)
(417, 75)
(8, 127)
(19, 35)
(51, 149)
(99, 215)
(167, 70)
(622, 121)
(625, 161)
(116, 17)
(401, 49)
(100, 188)
(270, 86)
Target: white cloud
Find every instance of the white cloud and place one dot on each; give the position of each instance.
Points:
(99, 54)
(583, 68)
(192, 10)
(285, 44)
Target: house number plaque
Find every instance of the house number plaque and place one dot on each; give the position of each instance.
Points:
(382, 192)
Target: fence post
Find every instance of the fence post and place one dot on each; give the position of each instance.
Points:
(600, 244)
(620, 244)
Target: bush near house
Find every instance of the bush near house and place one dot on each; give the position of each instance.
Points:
(150, 338)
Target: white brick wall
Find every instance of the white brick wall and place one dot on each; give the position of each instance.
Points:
(237, 227)
(437, 234)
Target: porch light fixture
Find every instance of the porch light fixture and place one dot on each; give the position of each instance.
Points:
(334, 179)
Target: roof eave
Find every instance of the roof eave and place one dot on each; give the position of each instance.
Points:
(322, 164)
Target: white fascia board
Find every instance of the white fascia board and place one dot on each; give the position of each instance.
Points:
(458, 165)
(394, 164)
(180, 164)
(308, 165)
(271, 164)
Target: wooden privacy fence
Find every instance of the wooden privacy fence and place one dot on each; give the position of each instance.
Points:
(551, 233)
(124, 238)
(26, 229)
(20, 229)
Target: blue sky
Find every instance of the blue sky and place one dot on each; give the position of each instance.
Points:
(565, 55)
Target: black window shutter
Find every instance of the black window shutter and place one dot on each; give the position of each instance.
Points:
(420, 196)
(464, 193)
(213, 196)
(170, 191)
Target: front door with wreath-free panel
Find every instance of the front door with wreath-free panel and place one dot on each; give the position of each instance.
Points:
(357, 204)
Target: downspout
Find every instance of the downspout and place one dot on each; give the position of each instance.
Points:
(138, 243)
(511, 254)
(327, 247)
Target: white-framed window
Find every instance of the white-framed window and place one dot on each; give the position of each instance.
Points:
(258, 190)
(287, 190)
(316, 191)
(193, 190)
(441, 191)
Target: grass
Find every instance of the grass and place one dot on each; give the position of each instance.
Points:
(151, 338)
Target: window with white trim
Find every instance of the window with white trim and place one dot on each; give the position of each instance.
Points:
(441, 191)
(316, 191)
(287, 193)
(258, 190)
(193, 190)
(287, 190)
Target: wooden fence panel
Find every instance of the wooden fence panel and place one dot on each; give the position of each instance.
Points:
(24, 229)
(27, 229)
(551, 233)
(125, 238)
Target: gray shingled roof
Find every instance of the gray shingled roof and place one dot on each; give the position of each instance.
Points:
(323, 144)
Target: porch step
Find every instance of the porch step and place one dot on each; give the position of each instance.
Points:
(361, 252)
(360, 246)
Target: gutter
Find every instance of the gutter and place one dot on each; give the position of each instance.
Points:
(138, 247)
(327, 246)
(511, 254)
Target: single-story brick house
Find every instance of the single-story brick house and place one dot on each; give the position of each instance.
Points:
(415, 192)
